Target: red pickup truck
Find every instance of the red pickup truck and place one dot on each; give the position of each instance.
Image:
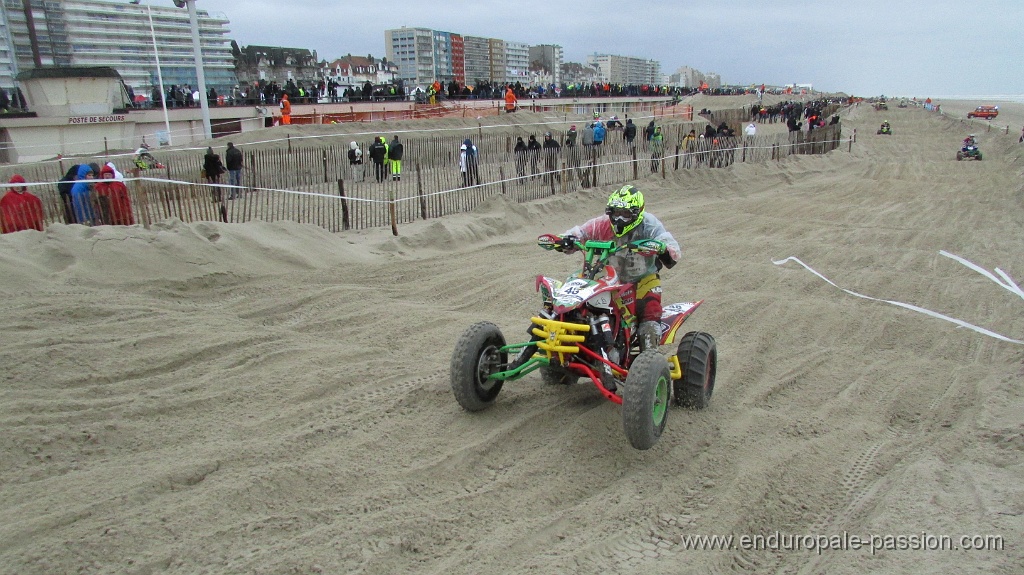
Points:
(987, 112)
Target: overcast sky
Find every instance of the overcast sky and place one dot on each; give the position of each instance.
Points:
(862, 47)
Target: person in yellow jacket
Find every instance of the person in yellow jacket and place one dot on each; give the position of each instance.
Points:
(395, 151)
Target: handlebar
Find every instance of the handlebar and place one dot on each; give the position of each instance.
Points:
(570, 244)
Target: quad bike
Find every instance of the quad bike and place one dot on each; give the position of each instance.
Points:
(588, 327)
(969, 153)
(887, 130)
(145, 160)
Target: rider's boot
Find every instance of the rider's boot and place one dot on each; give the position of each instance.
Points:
(649, 335)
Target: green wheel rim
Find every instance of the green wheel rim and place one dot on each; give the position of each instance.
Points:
(660, 401)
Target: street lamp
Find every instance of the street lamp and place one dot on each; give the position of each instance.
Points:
(159, 74)
(200, 73)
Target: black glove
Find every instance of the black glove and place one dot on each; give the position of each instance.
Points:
(567, 244)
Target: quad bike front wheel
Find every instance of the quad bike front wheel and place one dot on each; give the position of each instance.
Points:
(698, 358)
(959, 156)
(645, 399)
(477, 355)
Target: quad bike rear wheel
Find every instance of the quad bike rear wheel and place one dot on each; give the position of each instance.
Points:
(698, 358)
(645, 399)
(477, 355)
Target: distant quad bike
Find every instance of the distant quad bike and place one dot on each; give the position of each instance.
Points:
(968, 153)
(885, 129)
(587, 327)
(882, 106)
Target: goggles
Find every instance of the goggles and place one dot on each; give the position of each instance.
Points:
(620, 213)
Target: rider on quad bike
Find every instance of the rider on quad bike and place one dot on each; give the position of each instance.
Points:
(144, 160)
(626, 220)
(969, 142)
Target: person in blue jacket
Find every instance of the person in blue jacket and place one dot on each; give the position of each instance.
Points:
(599, 132)
(81, 196)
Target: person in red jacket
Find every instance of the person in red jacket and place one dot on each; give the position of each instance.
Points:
(112, 195)
(286, 110)
(511, 102)
(19, 209)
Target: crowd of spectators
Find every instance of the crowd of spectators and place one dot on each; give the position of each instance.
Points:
(262, 92)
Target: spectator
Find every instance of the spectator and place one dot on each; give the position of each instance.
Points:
(511, 102)
(395, 152)
(233, 158)
(570, 137)
(520, 157)
(533, 151)
(657, 149)
(629, 133)
(571, 150)
(81, 196)
(379, 153)
(64, 189)
(213, 168)
(599, 132)
(750, 130)
(355, 161)
(689, 146)
(112, 198)
(588, 154)
(649, 131)
(551, 152)
(20, 209)
(469, 163)
(286, 110)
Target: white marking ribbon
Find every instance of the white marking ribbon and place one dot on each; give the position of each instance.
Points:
(928, 312)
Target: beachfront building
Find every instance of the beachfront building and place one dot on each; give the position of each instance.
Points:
(277, 64)
(355, 71)
(575, 74)
(477, 61)
(114, 34)
(687, 77)
(548, 58)
(424, 55)
(8, 67)
(626, 69)
(517, 63)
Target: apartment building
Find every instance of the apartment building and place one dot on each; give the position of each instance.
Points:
(549, 56)
(424, 55)
(37, 33)
(626, 69)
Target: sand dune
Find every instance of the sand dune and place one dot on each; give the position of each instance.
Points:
(272, 398)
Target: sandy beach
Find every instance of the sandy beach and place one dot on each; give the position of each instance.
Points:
(273, 398)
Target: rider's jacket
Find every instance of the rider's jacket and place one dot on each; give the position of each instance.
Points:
(631, 267)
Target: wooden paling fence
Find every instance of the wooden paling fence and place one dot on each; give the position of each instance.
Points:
(314, 184)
